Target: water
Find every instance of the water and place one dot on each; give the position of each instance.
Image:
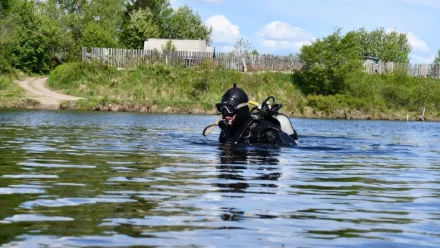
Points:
(122, 179)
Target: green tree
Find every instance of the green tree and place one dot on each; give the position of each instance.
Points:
(8, 38)
(71, 15)
(437, 58)
(30, 52)
(4, 7)
(71, 6)
(30, 39)
(108, 13)
(169, 46)
(139, 28)
(388, 46)
(185, 24)
(327, 62)
(97, 35)
(182, 23)
(80, 17)
(161, 12)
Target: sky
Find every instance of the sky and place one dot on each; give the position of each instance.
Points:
(282, 27)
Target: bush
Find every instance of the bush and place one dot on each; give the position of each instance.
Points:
(327, 63)
(96, 35)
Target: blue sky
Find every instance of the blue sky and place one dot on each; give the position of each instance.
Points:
(283, 26)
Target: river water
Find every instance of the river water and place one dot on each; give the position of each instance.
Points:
(125, 179)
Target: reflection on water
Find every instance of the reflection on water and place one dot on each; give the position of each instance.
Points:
(234, 162)
(121, 179)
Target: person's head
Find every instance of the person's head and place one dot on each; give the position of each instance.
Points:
(234, 106)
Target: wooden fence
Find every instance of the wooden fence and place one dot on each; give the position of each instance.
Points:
(126, 58)
(416, 70)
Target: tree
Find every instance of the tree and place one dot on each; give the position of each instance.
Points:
(388, 46)
(78, 16)
(327, 62)
(71, 6)
(437, 58)
(4, 7)
(182, 23)
(243, 47)
(161, 12)
(169, 46)
(33, 50)
(185, 24)
(139, 28)
(8, 38)
(108, 13)
(97, 35)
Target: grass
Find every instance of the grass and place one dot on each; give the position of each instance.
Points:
(158, 88)
(11, 95)
(395, 93)
(164, 87)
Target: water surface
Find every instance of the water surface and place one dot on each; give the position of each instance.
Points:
(123, 179)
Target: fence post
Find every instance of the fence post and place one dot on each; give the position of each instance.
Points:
(123, 58)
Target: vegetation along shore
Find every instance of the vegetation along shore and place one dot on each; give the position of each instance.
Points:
(45, 38)
(161, 89)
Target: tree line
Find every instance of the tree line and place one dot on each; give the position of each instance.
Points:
(330, 61)
(36, 35)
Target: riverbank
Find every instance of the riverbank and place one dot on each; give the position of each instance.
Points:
(308, 112)
(161, 89)
(12, 95)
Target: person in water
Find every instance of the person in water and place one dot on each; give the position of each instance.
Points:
(239, 126)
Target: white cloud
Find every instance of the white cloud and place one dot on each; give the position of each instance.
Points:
(280, 35)
(416, 43)
(209, 1)
(284, 44)
(223, 31)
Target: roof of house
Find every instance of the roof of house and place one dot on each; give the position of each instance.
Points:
(180, 45)
(371, 57)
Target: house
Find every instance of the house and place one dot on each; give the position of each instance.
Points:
(180, 45)
(371, 64)
(372, 59)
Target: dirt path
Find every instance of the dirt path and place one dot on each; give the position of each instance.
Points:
(37, 89)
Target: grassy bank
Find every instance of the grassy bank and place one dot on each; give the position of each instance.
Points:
(158, 88)
(11, 95)
(394, 95)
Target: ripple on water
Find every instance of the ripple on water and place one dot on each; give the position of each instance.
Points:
(30, 176)
(8, 191)
(35, 164)
(120, 179)
(35, 218)
(63, 202)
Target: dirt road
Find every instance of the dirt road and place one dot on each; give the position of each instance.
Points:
(38, 90)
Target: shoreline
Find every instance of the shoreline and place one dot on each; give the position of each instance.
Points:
(308, 113)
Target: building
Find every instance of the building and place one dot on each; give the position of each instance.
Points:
(371, 64)
(180, 45)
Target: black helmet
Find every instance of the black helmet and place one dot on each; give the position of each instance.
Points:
(233, 100)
